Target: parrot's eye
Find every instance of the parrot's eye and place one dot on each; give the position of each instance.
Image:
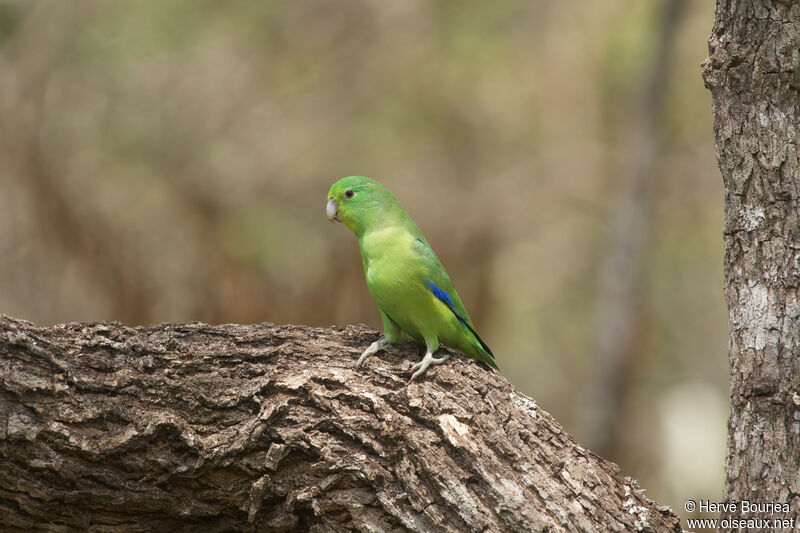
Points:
(349, 193)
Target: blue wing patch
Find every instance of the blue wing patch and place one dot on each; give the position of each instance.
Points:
(443, 296)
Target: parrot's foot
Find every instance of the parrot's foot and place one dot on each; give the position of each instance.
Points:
(427, 361)
(375, 347)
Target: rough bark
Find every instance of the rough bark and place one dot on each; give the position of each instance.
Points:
(265, 428)
(753, 73)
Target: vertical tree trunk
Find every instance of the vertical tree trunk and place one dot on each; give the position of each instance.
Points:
(753, 73)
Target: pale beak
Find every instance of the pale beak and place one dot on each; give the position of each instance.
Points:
(332, 210)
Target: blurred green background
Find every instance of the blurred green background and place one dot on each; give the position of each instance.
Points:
(169, 161)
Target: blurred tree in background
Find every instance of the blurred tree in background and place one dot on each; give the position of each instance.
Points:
(169, 161)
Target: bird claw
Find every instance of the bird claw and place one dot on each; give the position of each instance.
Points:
(375, 347)
(428, 360)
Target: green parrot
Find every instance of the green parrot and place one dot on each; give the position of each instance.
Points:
(414, 294)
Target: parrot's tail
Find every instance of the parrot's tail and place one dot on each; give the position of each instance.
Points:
(486, 354)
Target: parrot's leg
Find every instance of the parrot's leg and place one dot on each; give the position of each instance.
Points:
(391, 334)
(375, 347)
(427, 361)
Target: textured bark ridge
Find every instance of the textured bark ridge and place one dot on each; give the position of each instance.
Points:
(753, 71)
(265, 428)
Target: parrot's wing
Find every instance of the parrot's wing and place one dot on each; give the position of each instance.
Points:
(436, 279)
(434, 275)
(445, 297)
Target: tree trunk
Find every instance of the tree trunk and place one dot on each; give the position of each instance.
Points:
(753, 71)
(194, 427)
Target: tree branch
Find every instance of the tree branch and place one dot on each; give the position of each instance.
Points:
(271, 428)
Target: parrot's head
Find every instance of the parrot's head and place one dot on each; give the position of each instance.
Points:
(360, 203)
